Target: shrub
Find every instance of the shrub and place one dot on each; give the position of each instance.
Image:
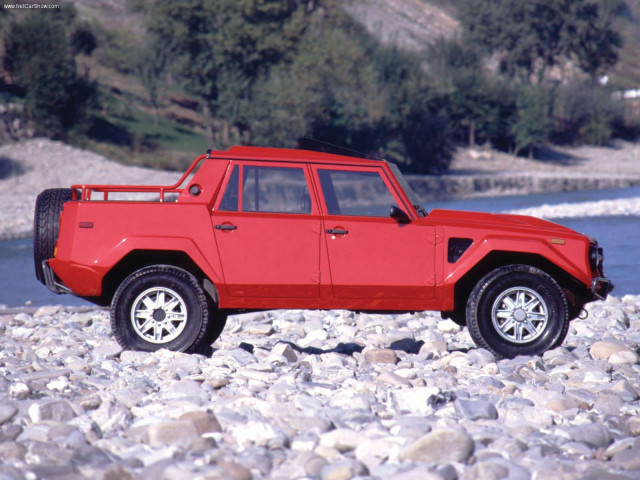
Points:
(40, 60)
(585, 113)
(532, 124)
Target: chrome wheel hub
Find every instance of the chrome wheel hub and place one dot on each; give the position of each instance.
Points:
(519, 315)
(159, 315)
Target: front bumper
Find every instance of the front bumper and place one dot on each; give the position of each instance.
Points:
(601, 287)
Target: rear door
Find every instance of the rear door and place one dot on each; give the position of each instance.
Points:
(267, 229)
(371, 255)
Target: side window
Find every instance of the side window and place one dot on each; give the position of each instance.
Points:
(355, 193)
(275, 189)
(229, 202)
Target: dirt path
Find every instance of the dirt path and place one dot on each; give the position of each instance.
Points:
(622, 158)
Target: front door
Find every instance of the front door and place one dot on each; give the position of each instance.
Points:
(371, 255)
(267, 229)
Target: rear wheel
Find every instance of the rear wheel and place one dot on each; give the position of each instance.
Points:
(517, 310)
(46, 225)
(218, 320)
(458, 318)
(161, 307)
(215, 327)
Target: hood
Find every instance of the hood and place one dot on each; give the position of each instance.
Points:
(498, 220)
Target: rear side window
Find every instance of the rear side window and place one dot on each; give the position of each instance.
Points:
(275, 190)
(230, 198)
(355, 193)
(266, 189)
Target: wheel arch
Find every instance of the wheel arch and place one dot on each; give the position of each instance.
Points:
(137, 259)
(573, 289)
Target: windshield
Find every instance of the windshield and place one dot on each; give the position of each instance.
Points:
(413, 197)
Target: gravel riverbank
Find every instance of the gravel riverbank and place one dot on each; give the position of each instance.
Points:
(319, 395)
(30, 167)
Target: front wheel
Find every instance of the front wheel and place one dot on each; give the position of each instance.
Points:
(517, 310)
(160, 307)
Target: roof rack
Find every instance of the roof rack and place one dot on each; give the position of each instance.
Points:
(85, 191)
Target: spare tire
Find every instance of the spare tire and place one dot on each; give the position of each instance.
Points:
(46, 225)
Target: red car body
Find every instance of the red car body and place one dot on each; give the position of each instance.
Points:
(316, 257)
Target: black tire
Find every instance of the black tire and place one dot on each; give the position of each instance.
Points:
(218, 320)
(458, 319)
(492, 298)
(182, 298)
(46, 225)
(216, 326)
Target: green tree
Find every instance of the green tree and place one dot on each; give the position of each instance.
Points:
(83, 39)
(501, 96)
(330, 88)
(409, 105)
(39, 57)
(458, 72)
(480, 105)
(597, 45)
(586, 113)
(427, 139)
(272, 72)
(532, 124)
(343, 88)
(151, 66)
(220, 48)
(530, 37)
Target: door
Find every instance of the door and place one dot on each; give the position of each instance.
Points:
(267, 229)
(371, 255)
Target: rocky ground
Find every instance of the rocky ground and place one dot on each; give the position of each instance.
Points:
(318, 395)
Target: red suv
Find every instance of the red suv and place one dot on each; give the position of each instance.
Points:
(257, 228)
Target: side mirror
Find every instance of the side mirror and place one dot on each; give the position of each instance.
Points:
(399, 214)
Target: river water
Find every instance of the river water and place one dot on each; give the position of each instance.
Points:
(619, 235)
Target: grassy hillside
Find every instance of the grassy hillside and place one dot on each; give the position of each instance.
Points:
(128, 128)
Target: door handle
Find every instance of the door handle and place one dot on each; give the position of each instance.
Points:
(337, 231)
(225, 227)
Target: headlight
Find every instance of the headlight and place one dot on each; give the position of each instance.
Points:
(596, 258)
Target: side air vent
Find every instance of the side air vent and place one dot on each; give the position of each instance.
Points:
(457, 246)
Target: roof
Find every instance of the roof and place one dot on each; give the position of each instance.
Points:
(286, 155)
